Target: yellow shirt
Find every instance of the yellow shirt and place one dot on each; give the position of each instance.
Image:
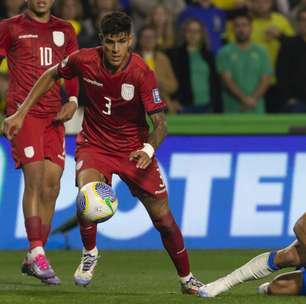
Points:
(3, 66)
(149, 60)
(226, 4)
(259, 36)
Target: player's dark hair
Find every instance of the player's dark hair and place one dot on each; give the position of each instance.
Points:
(115, 23)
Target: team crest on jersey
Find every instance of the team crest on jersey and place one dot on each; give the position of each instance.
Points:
(58, 38)
(127, 91)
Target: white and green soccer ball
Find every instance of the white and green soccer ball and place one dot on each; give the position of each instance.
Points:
(96, 202)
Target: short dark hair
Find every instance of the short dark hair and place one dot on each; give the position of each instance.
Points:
(242, 14)
(115, 23)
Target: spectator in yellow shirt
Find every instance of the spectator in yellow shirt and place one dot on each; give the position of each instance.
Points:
(229, 4)
(268, 27)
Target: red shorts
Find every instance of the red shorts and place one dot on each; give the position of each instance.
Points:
(39, 139)
(140, 182)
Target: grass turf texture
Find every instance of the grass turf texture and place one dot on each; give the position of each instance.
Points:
(129, 277)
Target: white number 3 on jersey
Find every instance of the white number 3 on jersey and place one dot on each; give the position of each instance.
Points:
(108, 106)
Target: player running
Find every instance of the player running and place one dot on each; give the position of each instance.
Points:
(121, 90)
(293, 283)
(33, 42)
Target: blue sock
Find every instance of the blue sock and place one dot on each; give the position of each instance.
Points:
(303, 289)
(271, 263)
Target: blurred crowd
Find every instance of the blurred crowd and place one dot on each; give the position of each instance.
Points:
(209, 56)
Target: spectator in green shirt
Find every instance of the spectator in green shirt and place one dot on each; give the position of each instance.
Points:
(245, 70)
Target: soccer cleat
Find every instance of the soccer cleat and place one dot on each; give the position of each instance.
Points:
(52, 281)
(26, 269)
(84, 273)
(191, 286)
(39, 264)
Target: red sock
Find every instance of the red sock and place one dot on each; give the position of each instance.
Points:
(33, 228)
(45, 231)
(88, 234)
(173, 242)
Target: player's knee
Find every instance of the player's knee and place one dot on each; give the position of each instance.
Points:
(165, 224)
(33, 185)
(50, 191)
(300, 229)
(288, 257)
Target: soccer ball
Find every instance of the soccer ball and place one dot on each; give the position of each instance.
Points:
(96, 202)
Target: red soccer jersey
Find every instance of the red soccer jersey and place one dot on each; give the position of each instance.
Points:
(115, 111)
(31, 48)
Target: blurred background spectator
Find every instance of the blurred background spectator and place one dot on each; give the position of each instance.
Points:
(195, 70)
(72, 11)
(245, 69)
(291, 68)
(12, 7)
(88, 36)
(187, 33)
(147, 47)
(212, 18)
(141, 9)
(299, 5)
(162, 20)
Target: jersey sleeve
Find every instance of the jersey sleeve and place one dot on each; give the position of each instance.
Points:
(5, 38)
(149, 93)
(72, 44)
(68, 68)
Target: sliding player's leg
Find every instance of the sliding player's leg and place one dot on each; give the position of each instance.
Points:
(84, 272)
(259, 267)
(290, 283)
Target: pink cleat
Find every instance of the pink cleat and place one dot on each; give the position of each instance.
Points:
(36, 264)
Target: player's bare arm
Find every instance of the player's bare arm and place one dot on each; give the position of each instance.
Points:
(13, 123)
(144, 156)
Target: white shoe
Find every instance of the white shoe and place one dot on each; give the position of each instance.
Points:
(84, 273)
(191, 286)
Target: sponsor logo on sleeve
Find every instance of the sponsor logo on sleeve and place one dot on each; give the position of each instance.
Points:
(58, 38)
(127, 91)
(29, 152)
(156, 96)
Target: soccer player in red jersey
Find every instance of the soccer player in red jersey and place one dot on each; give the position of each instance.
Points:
(33, 42)
(121, 90)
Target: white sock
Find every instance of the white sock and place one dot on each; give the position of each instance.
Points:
(93, 251)
(255, 269)
(34, 252)
(186, 279)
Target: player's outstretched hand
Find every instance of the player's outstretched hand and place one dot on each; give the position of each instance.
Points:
(142, 158)
(12, 125)
(66, 112)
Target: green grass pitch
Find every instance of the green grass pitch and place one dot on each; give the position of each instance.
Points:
(128, 277)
